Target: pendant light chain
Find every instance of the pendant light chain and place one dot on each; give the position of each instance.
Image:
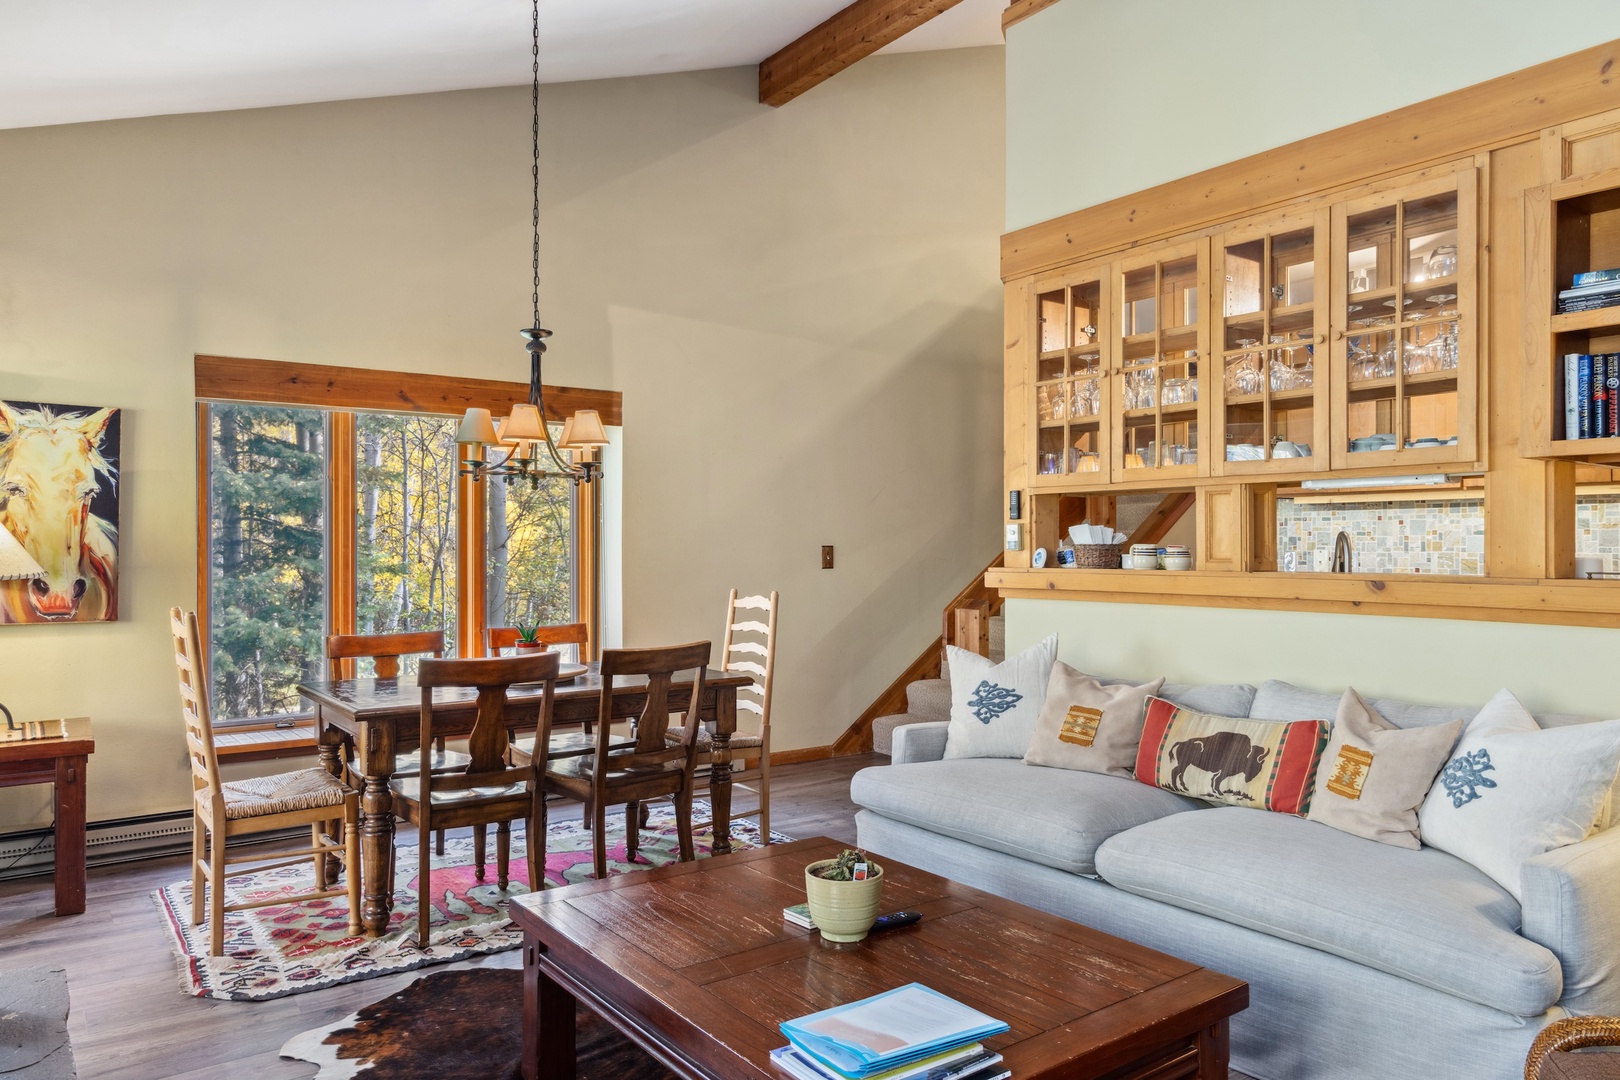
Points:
(534, 131)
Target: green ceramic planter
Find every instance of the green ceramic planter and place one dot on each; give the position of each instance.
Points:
(843, 910)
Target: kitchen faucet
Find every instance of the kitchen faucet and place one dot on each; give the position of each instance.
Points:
(1342, 553)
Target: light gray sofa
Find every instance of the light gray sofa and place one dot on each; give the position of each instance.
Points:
(1363, 960)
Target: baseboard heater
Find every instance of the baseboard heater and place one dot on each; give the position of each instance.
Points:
(107, 843)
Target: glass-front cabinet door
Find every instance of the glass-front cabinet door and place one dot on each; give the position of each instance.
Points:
(1269, 382)
(1071, 381)
(1159, 384)
(1404, 283)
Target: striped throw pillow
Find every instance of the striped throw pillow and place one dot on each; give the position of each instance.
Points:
(1255, 763)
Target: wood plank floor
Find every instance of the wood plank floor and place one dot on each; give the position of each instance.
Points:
(129, 1020)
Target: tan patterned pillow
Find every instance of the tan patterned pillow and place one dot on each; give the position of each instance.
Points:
(1374, 776)
(1089, 727)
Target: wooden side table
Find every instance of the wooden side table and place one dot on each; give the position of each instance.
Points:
(59, 761)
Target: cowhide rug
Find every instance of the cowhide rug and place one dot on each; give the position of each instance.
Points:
(33, 1024)
(458, 1025)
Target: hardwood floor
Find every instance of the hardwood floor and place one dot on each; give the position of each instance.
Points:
(129, 1020)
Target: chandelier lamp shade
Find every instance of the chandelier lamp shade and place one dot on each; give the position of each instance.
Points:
(530, 452)
(15, 562)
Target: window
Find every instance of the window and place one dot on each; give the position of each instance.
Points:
(271, 593)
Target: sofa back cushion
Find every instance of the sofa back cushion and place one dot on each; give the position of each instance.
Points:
(1268, 766)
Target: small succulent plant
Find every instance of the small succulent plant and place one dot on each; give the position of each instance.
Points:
(843, 867)
(528, 635)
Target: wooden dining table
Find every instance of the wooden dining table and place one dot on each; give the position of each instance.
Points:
(380, 718)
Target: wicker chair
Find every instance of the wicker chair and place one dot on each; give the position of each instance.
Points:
(1572, 1033)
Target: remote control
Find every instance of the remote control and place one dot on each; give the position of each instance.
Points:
(894, 919)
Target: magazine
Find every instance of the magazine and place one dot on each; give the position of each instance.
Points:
(881, 1033)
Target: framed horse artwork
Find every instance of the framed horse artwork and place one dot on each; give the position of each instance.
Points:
(59, 500)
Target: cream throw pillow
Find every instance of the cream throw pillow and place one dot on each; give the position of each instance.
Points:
(1513, 791)
(1374, 775)
(1089, 727)
(994, 706)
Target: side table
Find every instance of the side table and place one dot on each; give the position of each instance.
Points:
(60, 761)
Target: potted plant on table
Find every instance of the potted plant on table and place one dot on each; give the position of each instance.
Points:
(844, 894)
(528, 639)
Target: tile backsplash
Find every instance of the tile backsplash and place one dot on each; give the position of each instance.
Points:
(1431, 536)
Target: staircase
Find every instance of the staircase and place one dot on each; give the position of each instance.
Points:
(930, 699)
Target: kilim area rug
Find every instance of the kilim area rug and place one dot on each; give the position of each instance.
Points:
(459, 1025)
(278, 950)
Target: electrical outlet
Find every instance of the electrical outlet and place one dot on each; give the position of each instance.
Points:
(826, 556)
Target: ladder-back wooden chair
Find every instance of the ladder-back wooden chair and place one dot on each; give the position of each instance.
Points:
(750, 648)
(489, 790)
(221, 810)
(385, 651)
(654, 767)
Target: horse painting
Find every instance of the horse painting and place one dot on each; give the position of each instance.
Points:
(59, 498)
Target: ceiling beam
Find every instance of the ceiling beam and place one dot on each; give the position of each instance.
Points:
(852, 34)
(1019, 10)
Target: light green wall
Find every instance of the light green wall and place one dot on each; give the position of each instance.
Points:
(1104, 99)
(800, 305)
(1107, 98)
(1432, 661)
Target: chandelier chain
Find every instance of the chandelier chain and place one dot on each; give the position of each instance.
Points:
(534, 172)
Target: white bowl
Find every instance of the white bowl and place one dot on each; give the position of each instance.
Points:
(1178, 562)
(1145, 562)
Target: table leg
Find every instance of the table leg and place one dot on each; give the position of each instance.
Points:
(1214, 1051)
(330, 749)
(70, 835)
(376, 826)
(725, 722)
(548, 1021)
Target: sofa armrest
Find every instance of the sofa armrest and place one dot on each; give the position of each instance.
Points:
(1569, 902)
(919, 742)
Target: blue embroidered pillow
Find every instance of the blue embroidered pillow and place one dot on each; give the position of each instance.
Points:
(994, 706)
(1511, 791)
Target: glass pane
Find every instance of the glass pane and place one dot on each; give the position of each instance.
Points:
(1140, 308)
(1245, 432)
(1371, 356)
(531, 546)
(1371, 420)
(1179, 295)
(1431, 418)
(1141, 388)
(1243, 264)
(1049, 451)
(1052, 321)
(405, 551)
(1431, 238)
(1085, 450)
(1293, 269)
(1086, 299)
(1370, 250)
(1293, 364)
(1140, 442)
(1179, 445)
(1178, 376)
(1087, 398)
(1293, 427)
(1051, 402)
(1243, 375)
(267, 529)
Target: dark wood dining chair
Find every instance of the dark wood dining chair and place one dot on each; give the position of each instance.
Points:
(651, 767)
(385, 651)
(506, 637)
(223, 809)
(489, 790)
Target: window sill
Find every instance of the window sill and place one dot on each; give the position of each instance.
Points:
(266, 743)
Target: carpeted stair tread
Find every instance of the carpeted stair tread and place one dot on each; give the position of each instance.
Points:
(883, 731)
(998, 638)
(929, 699)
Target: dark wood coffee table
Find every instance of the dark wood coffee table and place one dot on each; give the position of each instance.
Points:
(695, 963)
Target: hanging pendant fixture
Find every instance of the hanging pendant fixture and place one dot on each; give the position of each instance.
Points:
(524, 436)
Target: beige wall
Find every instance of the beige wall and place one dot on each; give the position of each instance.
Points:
(1105, 99)
(1087, 121)
(800, 305)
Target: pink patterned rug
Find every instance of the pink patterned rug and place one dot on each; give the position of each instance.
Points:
(274, 951)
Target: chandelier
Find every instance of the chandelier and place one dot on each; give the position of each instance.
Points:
(530, 452)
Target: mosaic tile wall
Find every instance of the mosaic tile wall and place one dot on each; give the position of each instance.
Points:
(1428, 537)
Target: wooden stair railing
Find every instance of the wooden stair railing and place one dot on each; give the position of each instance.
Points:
(966, 619)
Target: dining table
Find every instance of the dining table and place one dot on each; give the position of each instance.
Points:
(374, 720)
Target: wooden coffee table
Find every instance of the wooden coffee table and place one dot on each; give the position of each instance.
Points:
(695, 963)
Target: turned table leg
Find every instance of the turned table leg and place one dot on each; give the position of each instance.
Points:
(330, 748)
(725, 722)
(376, 826)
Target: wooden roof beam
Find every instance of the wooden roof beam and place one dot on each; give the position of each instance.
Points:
(852, 34)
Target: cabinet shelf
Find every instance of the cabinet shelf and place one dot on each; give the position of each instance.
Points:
(1605, 318)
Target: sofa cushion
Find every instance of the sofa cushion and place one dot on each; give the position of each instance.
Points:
(1424, 916)
(1055, 817)
(1231, 759)
(1222, 699)
(1278, 700)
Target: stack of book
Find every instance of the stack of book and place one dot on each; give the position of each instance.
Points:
(1593, 289)
(1591, 395)
(909, 1033)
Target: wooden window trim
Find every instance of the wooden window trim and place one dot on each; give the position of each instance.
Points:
(342, 392)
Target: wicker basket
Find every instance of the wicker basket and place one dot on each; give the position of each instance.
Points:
(1096, 556)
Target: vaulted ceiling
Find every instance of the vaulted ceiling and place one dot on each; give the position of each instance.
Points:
(64, 61)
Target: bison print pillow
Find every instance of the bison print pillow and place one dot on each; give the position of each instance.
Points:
(994, 706)
(1256, 763)
(1512, 791)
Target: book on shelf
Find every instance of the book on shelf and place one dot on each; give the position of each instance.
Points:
(970, 1062)
(1594, 277)
(1611, 380)
(1572, 395)
(1601, 288)
(1600, 397)
(1584, 388)
(875, 1036)
(1588, 303)
(799, 915)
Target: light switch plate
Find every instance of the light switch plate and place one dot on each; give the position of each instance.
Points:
(826, 556)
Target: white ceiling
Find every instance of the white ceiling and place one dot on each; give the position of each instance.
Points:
(64, 61)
